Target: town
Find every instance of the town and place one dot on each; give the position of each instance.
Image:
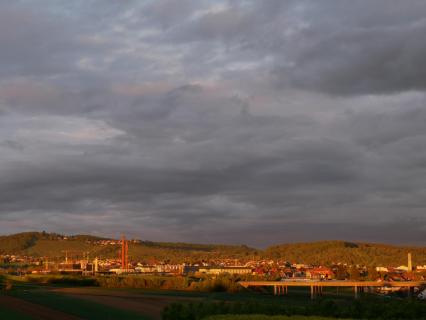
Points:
(141, 279)
(80, 263)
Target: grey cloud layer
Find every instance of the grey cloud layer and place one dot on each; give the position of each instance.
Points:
(251, 122)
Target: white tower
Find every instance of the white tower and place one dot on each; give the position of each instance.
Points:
(410, 266)
(96, 264)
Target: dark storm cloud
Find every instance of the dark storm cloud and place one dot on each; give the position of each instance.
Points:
(329, 46)
(359, 48)
(238, 121)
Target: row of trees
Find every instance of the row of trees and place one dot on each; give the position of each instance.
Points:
(221, 283)
(358, 309)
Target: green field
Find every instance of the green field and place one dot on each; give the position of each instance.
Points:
(70, 295)
(6, 313)
(74, 306)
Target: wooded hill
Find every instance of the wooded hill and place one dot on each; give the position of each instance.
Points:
(329, 252)
(54, 246)
(41, 244)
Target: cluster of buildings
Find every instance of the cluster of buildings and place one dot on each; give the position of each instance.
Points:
(263, 268)
(266, 268)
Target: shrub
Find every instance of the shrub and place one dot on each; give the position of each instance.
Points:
(7, 285)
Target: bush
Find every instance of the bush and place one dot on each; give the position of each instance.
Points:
(76, 281)
(221, 283)
(144, 282)
(7, 285)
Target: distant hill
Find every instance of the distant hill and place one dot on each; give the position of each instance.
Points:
(40, 244)
(327, 252)
(55, 246)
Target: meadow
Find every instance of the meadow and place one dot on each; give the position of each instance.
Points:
(7, 313)
(71, 298)
(74, 306)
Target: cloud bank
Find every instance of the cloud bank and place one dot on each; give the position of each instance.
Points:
(214, 121)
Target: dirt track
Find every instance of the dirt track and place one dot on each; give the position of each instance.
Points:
(143, 304)
(35, 311)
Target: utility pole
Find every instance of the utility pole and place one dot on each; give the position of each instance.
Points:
(66, 255)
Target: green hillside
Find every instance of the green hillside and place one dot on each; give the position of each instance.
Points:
(41, 244)
(186, 252)
(54, 246)
(327, 252)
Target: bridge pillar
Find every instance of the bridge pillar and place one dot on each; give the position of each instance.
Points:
(314, 291)
(275, 290)
(356, 292)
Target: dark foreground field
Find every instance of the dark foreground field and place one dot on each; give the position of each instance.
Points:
(26, 300)
(82, 303)
(95, 303)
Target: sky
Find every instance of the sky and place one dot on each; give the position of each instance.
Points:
(255, 122)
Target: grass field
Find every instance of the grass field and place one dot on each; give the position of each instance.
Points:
(7, 313)
(71, 300)
(77, 307)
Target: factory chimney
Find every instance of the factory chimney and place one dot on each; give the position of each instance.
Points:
(124, 253)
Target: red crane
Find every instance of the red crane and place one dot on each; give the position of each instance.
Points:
(124, 253)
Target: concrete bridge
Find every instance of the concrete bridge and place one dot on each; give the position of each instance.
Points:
(281, 287)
